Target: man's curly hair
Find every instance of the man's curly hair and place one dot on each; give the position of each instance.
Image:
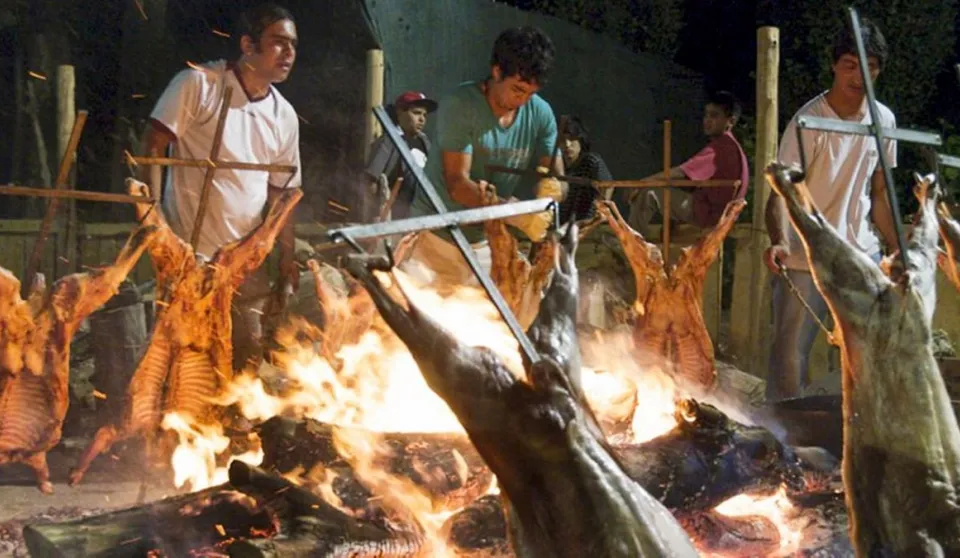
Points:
(526, 52)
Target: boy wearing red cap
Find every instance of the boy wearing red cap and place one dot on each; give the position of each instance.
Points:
(384, 166)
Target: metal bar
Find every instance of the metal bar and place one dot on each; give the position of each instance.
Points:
(10, 190)
(208, 177)
(879, 134)
(948, 160)
(526, 347)
(843, 126)
(63, 175)
(665, 210)
(207, 163)
(648, 183)
(442, 220)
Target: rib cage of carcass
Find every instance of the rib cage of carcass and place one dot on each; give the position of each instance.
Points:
(35, 338)
(189, 358)
(670, 330)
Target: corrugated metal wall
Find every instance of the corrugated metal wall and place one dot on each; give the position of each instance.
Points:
(623, 97)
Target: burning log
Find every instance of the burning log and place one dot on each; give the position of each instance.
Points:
(446, 466)
(670, 322)
(243, 517)
(752, 535)
(479, 529)
(901, 442)
(312, 527)
(174, 526)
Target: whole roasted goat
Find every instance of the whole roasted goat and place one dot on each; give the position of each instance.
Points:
(35, 338)
(901, 447)
(566, 493)
(670, 329)
(190, 354)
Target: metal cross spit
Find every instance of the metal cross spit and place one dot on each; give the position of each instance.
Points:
(450, 221)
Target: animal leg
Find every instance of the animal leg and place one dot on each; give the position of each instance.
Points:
(245, 255)
(848, 278)
(103, 440)
(38, 462)
(950, 232)
(644, 258)
(698, 259)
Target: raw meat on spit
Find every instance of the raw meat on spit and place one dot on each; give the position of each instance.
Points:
(189, 358)
(567, 495)
(670, 330)
(901, 446)
(950, 232)
(35, 349)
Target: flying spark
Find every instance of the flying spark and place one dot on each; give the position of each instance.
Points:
(37, 76)
(220, 33)
(336, 205)
(140, 7)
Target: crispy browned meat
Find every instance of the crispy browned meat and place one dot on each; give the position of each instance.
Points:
(670, 330)
(36, 354)
(950, 233)
(190, 354)
(519, 281)
(346, 316)
(901, 443)
(566, 494)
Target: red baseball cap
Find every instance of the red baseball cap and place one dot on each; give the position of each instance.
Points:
(413, 99)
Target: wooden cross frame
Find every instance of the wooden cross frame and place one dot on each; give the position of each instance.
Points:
(211, 164)
(666, 183)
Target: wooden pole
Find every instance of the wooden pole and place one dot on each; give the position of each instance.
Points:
(665, 211)
(11, 190)
(208, 177)
(768, 64)
(209, 164)
(374, 98)
(66, 148)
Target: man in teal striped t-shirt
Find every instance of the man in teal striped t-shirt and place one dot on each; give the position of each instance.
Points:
(497, 121)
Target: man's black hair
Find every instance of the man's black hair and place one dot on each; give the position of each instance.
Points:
(572, 127)
(728, 102)
(526, 52)
(254, 21)
(873, 42)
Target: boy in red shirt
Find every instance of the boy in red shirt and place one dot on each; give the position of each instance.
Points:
(721, 159)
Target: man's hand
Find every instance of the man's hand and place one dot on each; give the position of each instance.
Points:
(550, 188)
(535, 225)
(774, 256)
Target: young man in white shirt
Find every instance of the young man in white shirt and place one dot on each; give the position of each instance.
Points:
(847, 185)
(260, 127)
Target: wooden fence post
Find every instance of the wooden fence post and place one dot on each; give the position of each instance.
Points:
(66, 117)
(374, 98)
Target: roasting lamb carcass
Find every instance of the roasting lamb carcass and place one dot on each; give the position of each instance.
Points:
(35, 348)
(670, 329)
(567, 495)
(190, 354)
(519, 280)
(950, 232)
(901, 447)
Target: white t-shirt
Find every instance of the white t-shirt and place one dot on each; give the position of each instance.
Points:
(839, 169)
(265, 131)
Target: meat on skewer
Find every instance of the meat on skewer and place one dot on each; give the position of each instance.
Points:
(190, 353)
(670, 330)
(35, 353)
(566, 494)
(901, 443)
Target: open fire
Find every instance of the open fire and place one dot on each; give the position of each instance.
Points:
(375, 387)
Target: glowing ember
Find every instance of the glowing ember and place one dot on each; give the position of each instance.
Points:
(776, 507)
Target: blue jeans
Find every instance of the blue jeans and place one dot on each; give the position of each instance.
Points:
(794, 332)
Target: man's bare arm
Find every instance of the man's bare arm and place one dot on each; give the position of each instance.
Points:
(155, 140)
(881, 211)
(775, 218)
(456, 174)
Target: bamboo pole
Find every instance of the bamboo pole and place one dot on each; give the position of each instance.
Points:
(210, 164)
(11, 190)
(374, 98)
(208, 177)
(768, 63)
(665, 210)
(68, 138)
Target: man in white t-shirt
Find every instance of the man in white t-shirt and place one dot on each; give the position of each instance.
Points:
(848, 187)
(260, 127)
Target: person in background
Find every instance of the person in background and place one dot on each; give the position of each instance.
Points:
(848, 187)
(384, 166)
(722, 159)
(580, 161)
